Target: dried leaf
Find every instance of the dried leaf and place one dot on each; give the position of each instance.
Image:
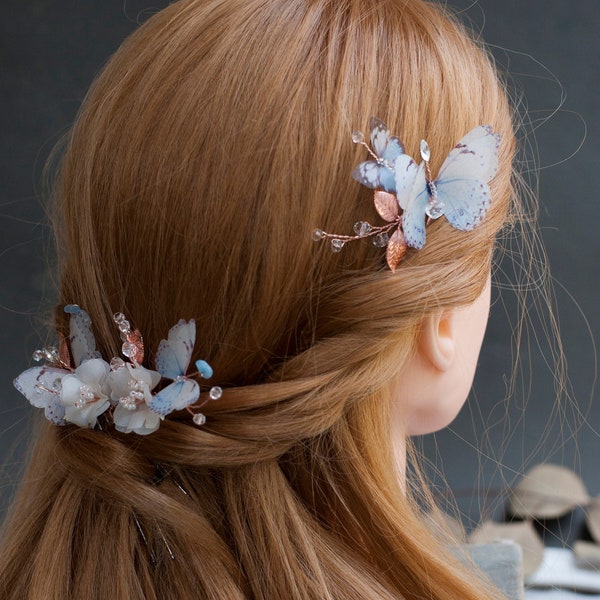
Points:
(386, 205)
(135, 338)
(593, 518)
(521, 532)
(396, 249)
(548, 492)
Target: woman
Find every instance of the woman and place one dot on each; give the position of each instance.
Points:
(208, 150)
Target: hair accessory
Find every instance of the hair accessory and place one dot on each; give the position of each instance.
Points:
(460, 192)
(77, 386)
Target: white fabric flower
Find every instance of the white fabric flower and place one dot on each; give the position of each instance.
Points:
(84, 393)
(130, 388)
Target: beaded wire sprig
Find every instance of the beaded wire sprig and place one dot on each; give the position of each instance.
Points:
(75, 385)
(408, 198)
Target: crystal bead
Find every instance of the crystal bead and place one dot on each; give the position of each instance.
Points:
(72, 309)
(358, 137)
(119, 317)
(57, 385)
(337, 245)
(425, 151)
(50, 354)
(199, 419)
(116, 363)
(129, 349)
(435, 209)
(124, 326)
(215, 392)
(362, 228)
(318, 235)
(381, 240)
(204, 369)
(38, 355)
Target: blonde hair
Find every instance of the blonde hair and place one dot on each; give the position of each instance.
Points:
(212, 144)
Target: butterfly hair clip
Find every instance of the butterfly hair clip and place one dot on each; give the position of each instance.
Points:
(407, 197)
(76, 385)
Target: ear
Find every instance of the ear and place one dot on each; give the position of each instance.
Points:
(437, 343)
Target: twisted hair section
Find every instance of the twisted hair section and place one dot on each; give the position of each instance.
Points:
(211, 145)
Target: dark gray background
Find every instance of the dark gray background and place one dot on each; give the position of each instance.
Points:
(49, 54)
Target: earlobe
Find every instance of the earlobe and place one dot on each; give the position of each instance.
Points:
(437, 343)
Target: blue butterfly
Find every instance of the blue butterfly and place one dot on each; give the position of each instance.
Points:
(172, 361)
(460, 192)
(379, 172)
(81, 339)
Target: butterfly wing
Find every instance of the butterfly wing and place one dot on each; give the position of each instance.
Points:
(387, 147)
(413, 217)
(81, 339)
(41, 386)
(462, 183)
(405, 171)
(174, 354)
(176, 396)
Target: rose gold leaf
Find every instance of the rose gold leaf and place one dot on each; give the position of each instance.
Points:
(396, 249)
(521, 532)
(63, 351)
(548, 492)
(135, 338)
(386, 205)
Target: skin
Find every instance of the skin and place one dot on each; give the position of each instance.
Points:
(433, 386)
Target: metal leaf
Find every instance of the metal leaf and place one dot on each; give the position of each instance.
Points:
(135, 338)
(521, 532)
(386, 205)
(548, 492)
(396, 249)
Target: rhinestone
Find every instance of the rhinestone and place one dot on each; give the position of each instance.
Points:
(425, 151)
(204, 369)
(318, 235)
(38, 355)
(116, 363)
(381, 240)
(362, 228)
(435, 209)
(215, 392)
(358, 137)
(199, 419)
(336, 244)
(129, 349)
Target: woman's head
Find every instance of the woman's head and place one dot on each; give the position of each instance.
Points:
(210, 147)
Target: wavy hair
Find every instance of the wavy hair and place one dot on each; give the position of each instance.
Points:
(208, 149)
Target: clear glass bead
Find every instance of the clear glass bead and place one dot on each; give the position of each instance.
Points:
(57, 385)
(119, 317)
(381, 240)
(129, 349)
(38, 355)
(116, 363)
(362, 228)
(124, 326)
(199, 419)
(318, 235)
(215, 392)
(358, 137)
(435, 209)
(336, 244)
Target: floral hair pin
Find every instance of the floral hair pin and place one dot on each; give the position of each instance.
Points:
(76, 385)
(408, 198)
